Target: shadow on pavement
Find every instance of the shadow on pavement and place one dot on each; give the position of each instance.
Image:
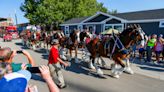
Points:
(45, 56)
(22, 46)
(37, 78)
(19, 44)
(82, 69)
(78, 87)
(42, 51)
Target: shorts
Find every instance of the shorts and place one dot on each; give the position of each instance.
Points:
(141, 50)
(158, 52)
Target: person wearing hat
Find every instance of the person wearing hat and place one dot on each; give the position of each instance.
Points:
(54, 64)
(15, 82)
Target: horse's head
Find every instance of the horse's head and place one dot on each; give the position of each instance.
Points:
(133, 34)
(83, 35)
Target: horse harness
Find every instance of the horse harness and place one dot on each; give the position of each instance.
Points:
(120, 46)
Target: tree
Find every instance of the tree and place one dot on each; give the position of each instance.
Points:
(55, 12)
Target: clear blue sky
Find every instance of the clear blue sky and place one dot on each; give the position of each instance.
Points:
(8, 7)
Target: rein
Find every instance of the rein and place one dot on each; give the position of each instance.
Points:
(117, 42)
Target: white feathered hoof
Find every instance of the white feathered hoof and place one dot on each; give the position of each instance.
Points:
(115, 72)
(63, 57)
(115, 76)
(99, 61)
(120, 71)
(91, 66)
(69, 58)
(99, 71)
(128, 70)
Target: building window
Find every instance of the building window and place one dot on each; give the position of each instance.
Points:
(118, 27)
(67, 30)
(161, 24)
(108, 27)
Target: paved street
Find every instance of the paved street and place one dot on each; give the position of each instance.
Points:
(80, 79)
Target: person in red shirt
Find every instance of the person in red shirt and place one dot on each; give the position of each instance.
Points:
(54, 64)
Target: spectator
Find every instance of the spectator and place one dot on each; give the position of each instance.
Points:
(47, 77)
(150, 45)
(7, 56)
(3, 69)
(44, 72)
(158, 48)
(141, 51)
(142, 48)
(15, 82)
(162, 40)
(54, 63)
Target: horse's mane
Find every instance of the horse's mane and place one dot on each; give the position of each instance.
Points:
(129, 29)
(126, 31)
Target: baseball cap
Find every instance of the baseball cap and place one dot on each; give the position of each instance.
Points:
(55, 41)
(15, 82)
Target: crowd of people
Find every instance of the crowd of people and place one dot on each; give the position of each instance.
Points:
(14, 77)
(153, 46)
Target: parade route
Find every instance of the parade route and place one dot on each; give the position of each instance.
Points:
(80, 79)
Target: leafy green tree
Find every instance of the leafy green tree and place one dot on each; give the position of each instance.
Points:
(55, 12)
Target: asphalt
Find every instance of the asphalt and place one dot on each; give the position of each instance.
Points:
(80, 79)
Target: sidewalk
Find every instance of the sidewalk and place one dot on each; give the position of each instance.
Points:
(150, 70)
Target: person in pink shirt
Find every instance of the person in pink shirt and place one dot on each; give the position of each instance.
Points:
(158, 48)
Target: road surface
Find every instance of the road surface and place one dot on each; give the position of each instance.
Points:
(80, 79)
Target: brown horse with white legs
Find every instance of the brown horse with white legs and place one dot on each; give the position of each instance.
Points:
(119, 49)
(75, 41)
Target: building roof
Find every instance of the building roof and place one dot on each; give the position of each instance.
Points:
(142, 15)
(1, 19)
(129, 16)
(75, 20)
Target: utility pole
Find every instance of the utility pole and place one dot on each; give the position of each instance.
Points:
(16, 18)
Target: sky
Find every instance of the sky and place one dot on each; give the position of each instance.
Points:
(9, 7)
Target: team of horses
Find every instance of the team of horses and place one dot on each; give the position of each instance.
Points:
(119, 48)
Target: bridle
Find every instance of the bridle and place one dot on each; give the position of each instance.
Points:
(132, 36)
